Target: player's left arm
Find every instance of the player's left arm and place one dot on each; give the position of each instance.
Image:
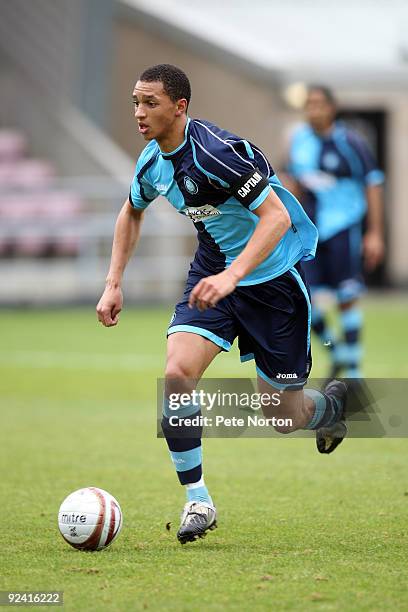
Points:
(274, 221)
(373, 241)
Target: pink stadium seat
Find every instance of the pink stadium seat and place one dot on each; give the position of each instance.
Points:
(35, 211)
(37, 205)
(33, 173)
(6, 246)
(67, 246)
(31, 245)
(39, 217)
(26, 173)
(7, 170)
(20, 206)
(13, 145)
(64, 206)
(61, 205)
(23, 208)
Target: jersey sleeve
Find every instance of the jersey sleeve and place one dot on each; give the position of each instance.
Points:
(303, 153)
(371, 173)
(233, 168)
(141, 192)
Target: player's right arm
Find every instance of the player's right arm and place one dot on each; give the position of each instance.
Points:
(126, 236)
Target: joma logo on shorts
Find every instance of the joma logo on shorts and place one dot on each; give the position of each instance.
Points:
(248, 186)
(286, 376)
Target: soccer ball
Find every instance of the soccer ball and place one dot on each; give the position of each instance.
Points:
(90, 519)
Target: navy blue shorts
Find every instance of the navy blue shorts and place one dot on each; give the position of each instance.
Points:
(271, 321)
(338, 265)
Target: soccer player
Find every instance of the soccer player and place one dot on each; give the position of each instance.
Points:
(245, 281)
(337, 181)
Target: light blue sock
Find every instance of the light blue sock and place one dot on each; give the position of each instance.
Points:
(185, 452)
(197, 491)
(327, 409)
(352, 321)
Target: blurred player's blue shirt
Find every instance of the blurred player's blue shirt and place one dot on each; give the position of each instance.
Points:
(333, 171)
(217, 179)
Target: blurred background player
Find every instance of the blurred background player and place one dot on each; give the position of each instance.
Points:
(333, 173)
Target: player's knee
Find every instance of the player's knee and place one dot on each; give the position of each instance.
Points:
(179, 370)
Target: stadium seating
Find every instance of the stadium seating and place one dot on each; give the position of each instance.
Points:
(36, 218)
(13, 145)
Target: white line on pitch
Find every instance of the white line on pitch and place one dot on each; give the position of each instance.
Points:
(75, 361)
(100, 361)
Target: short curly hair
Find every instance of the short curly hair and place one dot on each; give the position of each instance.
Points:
(175, 82)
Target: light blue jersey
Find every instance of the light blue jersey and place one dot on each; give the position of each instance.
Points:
(334, 172)
(218, 179)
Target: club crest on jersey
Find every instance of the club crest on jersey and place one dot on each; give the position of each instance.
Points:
(190, 185)
(196, 213)
(330, 160)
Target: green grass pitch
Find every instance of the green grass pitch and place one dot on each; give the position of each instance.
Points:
(297, 530)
